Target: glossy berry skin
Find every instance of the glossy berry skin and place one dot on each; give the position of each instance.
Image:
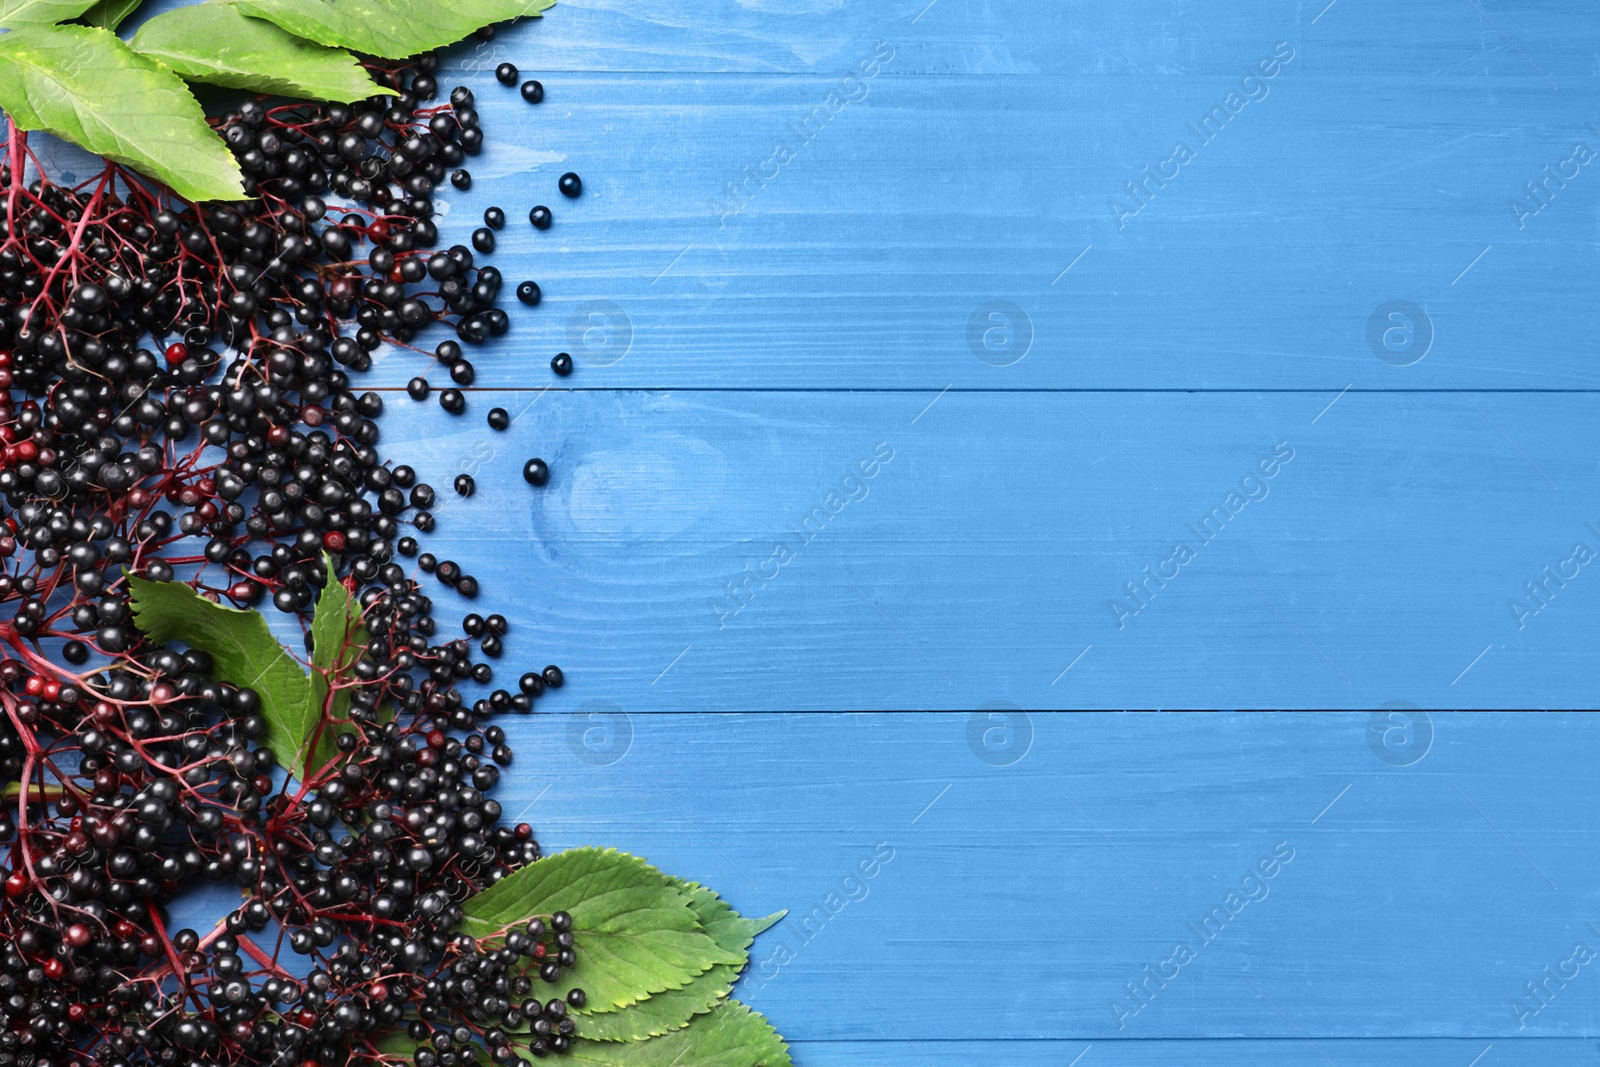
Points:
(461, 179)
(483, 239)
(535, 472)
(561, 364)
(528, 293)
(494, 218)
(499, 419)
(417, 388)
(452, 401)
(540, 217)
(571, 185)
(553, 678)
(461, 372)
(506, 74)
(465, 486)
(532, 92)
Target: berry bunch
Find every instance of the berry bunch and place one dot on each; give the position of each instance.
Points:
(176, 403)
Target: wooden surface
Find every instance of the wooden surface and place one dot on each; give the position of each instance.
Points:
(735, 369)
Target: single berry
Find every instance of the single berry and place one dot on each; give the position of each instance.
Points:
(561, 364)
(553, 678)
(461, 179)
(506, 74)
(499, 419)
(417, 388)
(465, 486)
(452, 401)
(528, 293)
(571, 185)
(461, 372)
(494, 218)
(483, 239)
(535, 472)
(540, 217)
(532, 92)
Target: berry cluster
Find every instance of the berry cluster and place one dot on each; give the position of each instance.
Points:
(176, 402)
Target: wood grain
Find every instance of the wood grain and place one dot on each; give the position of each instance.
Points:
(724, 551)
(1019, 898)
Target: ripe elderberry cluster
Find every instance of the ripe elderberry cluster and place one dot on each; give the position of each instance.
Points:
(176, 402)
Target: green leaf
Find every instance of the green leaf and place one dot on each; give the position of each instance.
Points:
(83, 84)
(245, 652)
(730, 1036)
(108, 14)
(219, 44)
(393, 29)
(637, 934)
(672, 1009)
(337, 638)
(40, 12)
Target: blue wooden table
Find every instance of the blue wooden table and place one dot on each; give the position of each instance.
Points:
(1061, 354)
(1009, 354)
(1014, 355)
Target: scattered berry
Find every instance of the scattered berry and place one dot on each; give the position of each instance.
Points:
(540, 217)
(571, 185)
(535, 472)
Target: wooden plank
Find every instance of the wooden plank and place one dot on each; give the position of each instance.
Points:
(1297, 1053)
(1014, 901)
(1163, 39)
(979, 232)
(989, 558)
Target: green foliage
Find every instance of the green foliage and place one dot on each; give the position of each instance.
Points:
(108, 14)
(638, 932)
(84, 84)
(392, 29)
(672, 1009)
(130, 104)
(245, 652)
(217, 43)
(15, 13)
(730, 1036)
(293, 702)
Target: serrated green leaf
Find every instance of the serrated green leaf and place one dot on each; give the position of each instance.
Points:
(337, 638)
(219, 44)
(730, 1036)
(40, 12)
(108, 14)
(672, 1009)
(393, 29)
(245, 652)
(83, 84)
(637, 934)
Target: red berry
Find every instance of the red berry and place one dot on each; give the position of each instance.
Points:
(54, 969)
(79, 935)
(333, 541)
(177, 353)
